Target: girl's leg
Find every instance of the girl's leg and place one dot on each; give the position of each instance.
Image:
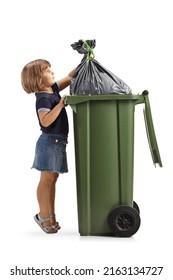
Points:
(46, 194)
(52, 202)
(52, 195)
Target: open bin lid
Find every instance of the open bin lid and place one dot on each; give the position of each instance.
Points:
(151, 132)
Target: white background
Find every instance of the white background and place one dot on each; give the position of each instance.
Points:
(134, 41)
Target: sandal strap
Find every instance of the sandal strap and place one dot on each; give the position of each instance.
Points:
(47, 229)
(42, 220)
(52, 216)
(55, 225)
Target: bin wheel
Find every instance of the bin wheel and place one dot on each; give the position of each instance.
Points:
(124, 221)
(135, 205)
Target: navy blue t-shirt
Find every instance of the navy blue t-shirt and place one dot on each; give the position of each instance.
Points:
(46, 102)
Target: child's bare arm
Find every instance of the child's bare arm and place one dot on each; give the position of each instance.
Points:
(65, 82)
(46, 118)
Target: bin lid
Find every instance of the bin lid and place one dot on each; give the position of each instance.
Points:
(151, 133)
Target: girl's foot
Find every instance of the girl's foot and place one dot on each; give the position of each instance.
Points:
(45, 224)
(54, 223)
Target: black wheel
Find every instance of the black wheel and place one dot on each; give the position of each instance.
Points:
(135, 205)
(124, 221)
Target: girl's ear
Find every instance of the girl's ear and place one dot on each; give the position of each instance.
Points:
(41, 82)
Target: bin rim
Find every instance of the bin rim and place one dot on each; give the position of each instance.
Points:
(75, 99)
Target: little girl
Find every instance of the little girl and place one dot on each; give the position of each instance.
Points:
(50, 153)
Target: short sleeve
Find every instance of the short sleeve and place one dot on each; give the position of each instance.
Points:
(44, 104)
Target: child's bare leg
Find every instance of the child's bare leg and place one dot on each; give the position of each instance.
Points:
(52, 201)
(46, 194)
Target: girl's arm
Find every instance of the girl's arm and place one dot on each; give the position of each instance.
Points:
(65, 82)
(46, 118)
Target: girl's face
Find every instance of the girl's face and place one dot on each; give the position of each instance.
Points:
(48, 77)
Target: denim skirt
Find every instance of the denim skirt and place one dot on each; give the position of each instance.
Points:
(50, 153)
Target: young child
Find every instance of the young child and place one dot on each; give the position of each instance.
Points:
(50, 153)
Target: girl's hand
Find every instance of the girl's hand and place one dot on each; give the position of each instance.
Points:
(62, 100)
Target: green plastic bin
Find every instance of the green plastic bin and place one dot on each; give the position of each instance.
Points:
(104, 153)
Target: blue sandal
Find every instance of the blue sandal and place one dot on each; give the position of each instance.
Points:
(40, 221)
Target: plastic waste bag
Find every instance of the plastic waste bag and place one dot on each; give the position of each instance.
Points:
(91, 77)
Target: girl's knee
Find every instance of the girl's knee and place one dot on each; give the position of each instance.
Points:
(56, 175)
(49, 178)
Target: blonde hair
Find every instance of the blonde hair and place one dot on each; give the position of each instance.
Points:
(31, 75)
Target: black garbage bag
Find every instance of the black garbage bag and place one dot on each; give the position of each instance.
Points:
(91, 77)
